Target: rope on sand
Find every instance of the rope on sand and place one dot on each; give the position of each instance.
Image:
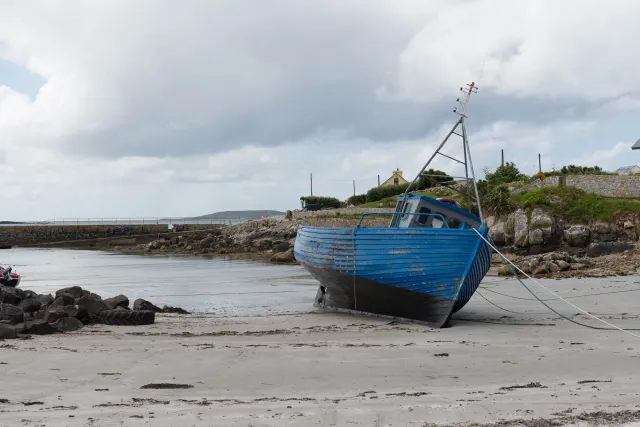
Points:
(512, 266)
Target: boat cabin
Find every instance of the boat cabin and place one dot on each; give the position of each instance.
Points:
(426, 212)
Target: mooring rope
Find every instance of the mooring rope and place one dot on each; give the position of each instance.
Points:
(511, 268)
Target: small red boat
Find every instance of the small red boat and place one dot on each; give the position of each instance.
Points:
(9, 278)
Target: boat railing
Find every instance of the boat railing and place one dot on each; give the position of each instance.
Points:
(402, 214)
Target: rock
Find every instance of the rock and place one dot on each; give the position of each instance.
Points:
(553, 256)
(29, 305)
(9, 295)
(118, 301)
(74, 291)
(578, 266)
(577, 236)
(78, 312)
(287, 256)
(498, 234)
(85, 293)
(540, 218)
(177, 310)
(7, 332)
(152, 245)
(540, 269)
(602, 228)
(68, 324)
(564, 265)
(553, 267)
(67, 299)
(37, 327)
(536, 237)
(281, 247)
(628, 224)
(609, 237)
(206, 242)
(504, 271)
(11, 313)
(58, 302)
(606, 248)
(141, 304)
(521, 229)
(53, 314)
(45, 300)
(93, 304)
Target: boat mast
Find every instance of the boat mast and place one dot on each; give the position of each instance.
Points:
(467, 162)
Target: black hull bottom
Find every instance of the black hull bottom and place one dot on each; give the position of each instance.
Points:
(346, 292)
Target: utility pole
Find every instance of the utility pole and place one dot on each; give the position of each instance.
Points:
(539, 164)
(354, 187)
(311, 177)
(502, 157)
(378, 180)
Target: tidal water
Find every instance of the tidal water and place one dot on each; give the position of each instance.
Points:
(225, 286)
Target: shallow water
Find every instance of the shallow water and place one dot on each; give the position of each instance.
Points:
(225, 286)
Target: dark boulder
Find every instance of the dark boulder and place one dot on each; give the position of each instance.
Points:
(68, 299)
(58, 302)
(93, 304)
(11, 313)
(606, 248)
(45, 300)
(118, 301)
(36, 327)
(281, 247)
(68, 324)
(52, 314)
(176, 310)
(74, 291)
(78, 312)
(9, 295)
(141, 304)
(29, 305)
(7, 332)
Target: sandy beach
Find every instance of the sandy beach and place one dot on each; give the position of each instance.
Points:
(326, 368)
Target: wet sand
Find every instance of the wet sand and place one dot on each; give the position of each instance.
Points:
(322, 368)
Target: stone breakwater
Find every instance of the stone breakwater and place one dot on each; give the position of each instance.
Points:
(272, 238)
(38, 235)
(26, 312)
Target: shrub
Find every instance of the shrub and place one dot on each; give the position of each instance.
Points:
(324, 202)
(360, 199)
(498, 200)
(504, 174)
(379, 193)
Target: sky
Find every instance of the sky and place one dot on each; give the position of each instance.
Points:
(114, 108)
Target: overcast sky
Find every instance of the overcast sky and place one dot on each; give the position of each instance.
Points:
(121, 108)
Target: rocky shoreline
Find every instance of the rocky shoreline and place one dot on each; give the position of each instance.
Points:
(24, 312)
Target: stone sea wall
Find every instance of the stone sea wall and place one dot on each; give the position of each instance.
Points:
(341, 211)
(604, 185)
(537, 231)
(33, 235)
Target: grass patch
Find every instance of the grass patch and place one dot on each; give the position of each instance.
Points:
(390, 202)
(576, 206)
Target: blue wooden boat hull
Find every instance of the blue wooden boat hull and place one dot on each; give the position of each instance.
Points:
(423, 274)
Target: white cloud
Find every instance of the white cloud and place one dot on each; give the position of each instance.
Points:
(610, 158)
(190, 107)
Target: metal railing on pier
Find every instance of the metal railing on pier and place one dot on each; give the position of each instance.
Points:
(133, 221)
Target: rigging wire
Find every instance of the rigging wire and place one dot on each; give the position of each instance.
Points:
(511, 268)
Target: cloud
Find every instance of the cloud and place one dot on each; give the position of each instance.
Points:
(609, 158)
(204, 105)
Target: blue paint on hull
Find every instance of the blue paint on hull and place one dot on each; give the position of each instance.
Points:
(434, 264)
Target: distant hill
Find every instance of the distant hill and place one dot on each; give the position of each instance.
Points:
(240, 215)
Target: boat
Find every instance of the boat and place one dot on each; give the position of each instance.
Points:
(9, 277)
(423, 267)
